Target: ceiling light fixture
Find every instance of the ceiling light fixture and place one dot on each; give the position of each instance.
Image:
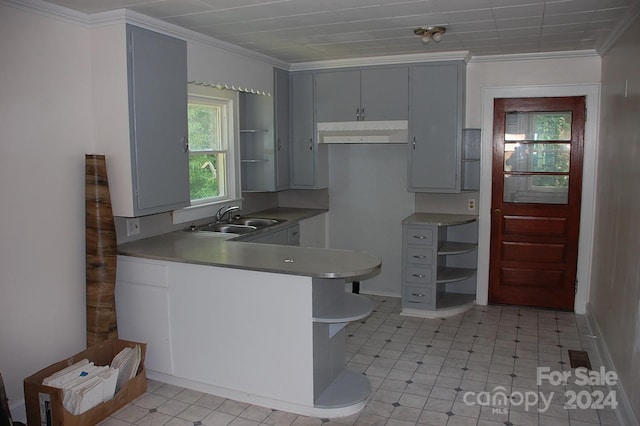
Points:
(430, 33)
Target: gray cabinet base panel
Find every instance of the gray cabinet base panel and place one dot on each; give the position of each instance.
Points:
(349, 389)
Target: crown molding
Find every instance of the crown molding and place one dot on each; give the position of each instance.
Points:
(50, 10)
(621, 27)
(569, 54)
(128, 16)
(461, 55)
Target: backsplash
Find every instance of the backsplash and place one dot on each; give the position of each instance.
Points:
(252, 202)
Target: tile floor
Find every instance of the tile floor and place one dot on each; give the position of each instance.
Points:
(425, 372)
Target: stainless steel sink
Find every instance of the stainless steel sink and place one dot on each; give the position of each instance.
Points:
(258, 222)
(242, 225)
(229, 228)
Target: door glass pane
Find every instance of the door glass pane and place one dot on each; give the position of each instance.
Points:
(538, 126)
(536, 157)
(543, 189)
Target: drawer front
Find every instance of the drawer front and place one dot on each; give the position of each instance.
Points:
(418, 275)
(419, 255)
(419, 236)
(421, 297)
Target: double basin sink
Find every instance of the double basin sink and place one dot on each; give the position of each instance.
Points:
(239, 226)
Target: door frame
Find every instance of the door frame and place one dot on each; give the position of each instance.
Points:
(588, 204)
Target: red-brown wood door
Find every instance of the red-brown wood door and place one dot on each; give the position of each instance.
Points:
(535, 200)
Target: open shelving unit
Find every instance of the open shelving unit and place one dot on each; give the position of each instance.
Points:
(439, 264)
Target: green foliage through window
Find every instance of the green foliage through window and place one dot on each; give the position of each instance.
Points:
(206, 160)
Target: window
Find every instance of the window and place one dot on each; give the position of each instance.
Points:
(208, 146)
(537, 156)
(213, 173)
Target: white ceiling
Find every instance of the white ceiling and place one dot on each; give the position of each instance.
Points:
(312, 30)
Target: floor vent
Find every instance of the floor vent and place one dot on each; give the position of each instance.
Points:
(579, 359)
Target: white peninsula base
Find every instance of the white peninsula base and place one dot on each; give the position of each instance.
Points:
(275, 340)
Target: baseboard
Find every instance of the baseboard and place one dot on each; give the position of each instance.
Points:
(625, 413)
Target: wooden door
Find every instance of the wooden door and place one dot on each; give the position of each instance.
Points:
(536, 191)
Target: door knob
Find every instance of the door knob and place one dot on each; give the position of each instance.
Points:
(497, 211)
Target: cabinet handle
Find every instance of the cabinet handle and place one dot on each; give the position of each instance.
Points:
(358, 114)
(418, 275)
(310, 144)
(419, 256)
(185, 142)
(418, 294)
(362, 114)
(279, 145)
(414, 143)
(419, 237)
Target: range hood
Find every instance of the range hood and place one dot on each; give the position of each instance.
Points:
(374, 132)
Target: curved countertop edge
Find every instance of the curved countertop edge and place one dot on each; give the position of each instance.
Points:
(214, 249)
(439, 219)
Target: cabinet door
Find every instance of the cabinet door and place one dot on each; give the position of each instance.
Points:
(281, 93)
(384, 94)
(337, 96)
(435, 127)
(157, 74)
(302, 131)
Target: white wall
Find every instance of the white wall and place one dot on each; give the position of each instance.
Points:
(45, 130)
(614, 300)
(210, 64)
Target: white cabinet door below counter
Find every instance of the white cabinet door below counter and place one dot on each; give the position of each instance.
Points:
(142, 303)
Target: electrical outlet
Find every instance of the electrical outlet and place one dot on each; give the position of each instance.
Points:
(133, 226)
(471, 204)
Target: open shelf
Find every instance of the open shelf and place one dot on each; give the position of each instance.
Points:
(352, 307)
(348, 388)
(449, 274)
(454, 300)
(453, 247)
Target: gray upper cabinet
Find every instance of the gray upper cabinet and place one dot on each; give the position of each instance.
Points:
(157, 87)
(436, 117)
(308, 160)
(264, 138)
(281, 103)
(371, 94)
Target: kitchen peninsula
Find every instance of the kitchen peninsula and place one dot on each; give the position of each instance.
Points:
(260, 323)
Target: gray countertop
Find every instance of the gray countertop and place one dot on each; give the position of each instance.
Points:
(439, 219)
(216, 249)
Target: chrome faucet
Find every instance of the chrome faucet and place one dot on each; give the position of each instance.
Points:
(223, 211)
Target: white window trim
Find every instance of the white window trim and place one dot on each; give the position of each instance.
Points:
(202, 210)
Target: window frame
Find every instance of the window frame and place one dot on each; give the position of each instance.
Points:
(200, 209)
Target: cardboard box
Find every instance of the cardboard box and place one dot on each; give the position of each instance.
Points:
(44, 403)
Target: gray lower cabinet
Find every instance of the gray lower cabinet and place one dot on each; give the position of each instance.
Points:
(308, 159)
(157, 77)
(264, 138)
(439, 259)
(289, 236)
(436, 119)
(366, 94)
